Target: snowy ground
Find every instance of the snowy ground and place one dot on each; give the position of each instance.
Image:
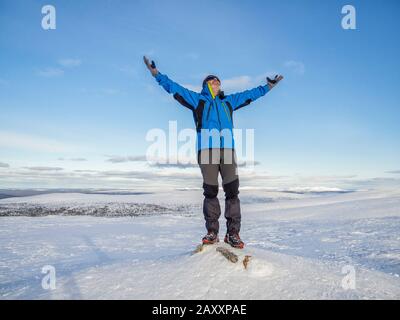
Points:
(299, 243)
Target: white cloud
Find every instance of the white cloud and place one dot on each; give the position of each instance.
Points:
(182, 162)
(4, 165)
(178, 177)
(296, 66)
(30, 142)
(78, 159)
(193, 87)
(50, 72)
(72, 159)
(237, 83)
(121, 159)
(69, 63)
(393, 172)
(44, 168)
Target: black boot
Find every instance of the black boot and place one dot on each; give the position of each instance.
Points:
(210, 238)
(234, 240)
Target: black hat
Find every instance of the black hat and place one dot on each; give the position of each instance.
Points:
(210, 77)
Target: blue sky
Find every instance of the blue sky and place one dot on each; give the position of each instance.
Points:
(79, 96)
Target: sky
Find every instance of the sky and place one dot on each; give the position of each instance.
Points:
(77, 102)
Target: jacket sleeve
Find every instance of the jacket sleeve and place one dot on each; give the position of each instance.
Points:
(186, 97)
(241, 99)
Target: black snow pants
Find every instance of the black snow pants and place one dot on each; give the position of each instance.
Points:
(223, 161)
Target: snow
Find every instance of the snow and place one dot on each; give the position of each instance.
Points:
(299, 244)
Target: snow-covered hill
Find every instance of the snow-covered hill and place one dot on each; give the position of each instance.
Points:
(301, 245)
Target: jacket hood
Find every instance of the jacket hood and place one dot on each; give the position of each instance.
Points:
(206, 91)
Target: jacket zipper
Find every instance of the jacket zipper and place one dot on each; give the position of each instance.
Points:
(227, 114)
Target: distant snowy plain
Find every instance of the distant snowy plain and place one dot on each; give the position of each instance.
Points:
(139, 246)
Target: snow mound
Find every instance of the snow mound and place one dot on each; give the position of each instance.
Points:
(203, 275)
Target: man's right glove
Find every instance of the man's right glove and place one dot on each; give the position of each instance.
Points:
(151, 66)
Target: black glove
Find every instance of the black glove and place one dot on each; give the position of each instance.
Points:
(273, 82)
(151, 66)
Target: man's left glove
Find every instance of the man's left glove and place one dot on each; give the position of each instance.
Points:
(273, 82)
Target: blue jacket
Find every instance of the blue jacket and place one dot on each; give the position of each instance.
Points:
(212, 113)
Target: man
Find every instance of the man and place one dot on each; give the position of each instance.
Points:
(212, 113)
